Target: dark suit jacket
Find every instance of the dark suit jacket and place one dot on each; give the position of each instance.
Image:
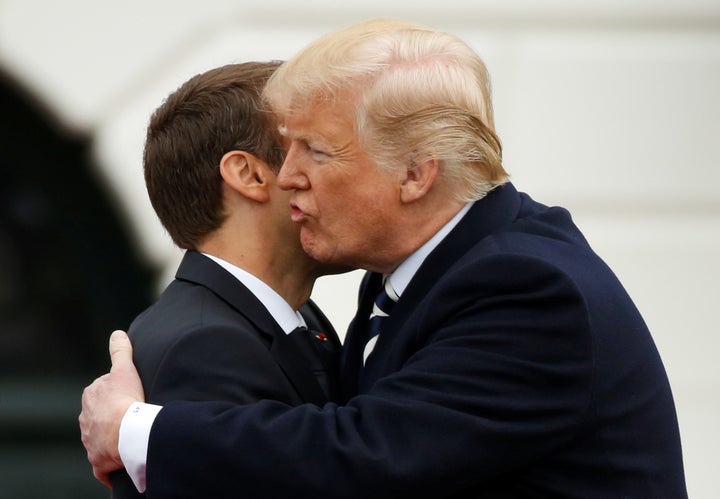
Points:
(209, 338)
(513, 366)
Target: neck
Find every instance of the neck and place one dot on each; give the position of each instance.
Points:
(289, 272)
(426, 222)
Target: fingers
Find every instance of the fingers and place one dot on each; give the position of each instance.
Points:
(120, 351)
(89, 428)
(102, 477)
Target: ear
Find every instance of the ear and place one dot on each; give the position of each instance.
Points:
(418, 180)
(245, 174)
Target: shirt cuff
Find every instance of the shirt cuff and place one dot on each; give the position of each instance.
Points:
(133, 440)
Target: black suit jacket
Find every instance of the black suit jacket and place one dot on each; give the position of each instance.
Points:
(513, 366)
(209, 338)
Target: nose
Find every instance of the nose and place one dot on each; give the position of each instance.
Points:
(291, 176)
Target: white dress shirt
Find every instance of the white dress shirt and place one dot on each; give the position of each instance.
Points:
(135, 426)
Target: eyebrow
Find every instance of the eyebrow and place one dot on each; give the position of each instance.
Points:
(305, 137)
(283, 130)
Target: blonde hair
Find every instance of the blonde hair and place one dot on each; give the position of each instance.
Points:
(420, 95)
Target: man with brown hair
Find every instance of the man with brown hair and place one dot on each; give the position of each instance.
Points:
(227, 328)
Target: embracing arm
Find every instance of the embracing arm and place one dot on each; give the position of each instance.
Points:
(210, 363)
(498, 377)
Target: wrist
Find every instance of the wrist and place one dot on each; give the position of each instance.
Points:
(133, 439)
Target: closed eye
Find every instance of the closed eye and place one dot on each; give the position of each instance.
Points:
(315, 153)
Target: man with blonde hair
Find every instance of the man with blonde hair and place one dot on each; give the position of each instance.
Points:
(509, 362)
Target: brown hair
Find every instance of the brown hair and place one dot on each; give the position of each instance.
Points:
(209, 115)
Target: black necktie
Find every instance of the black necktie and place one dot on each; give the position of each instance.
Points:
(384, 303)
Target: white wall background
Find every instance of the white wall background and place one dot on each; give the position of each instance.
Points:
(610, 108)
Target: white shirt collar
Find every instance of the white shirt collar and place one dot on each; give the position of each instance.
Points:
(282, 312)
(400, 279)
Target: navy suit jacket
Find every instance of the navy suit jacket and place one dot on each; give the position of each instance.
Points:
(209, 338)
(513, 366)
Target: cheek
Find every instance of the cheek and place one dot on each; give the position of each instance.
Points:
(356, 207)
(343, 222)
(363, 218)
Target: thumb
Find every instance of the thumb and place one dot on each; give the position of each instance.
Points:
(120, 351)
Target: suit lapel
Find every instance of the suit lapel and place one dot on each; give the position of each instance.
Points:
(298, 358)
(327, 346)
(291, 355)
(499, 208)
(202, 271)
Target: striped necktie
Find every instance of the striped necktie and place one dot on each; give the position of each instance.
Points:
(384, 303)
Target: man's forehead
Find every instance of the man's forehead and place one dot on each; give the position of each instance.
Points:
(327, 122)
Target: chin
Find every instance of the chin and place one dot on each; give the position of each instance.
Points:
(317, 252)
(310, 248)
(318, 256)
